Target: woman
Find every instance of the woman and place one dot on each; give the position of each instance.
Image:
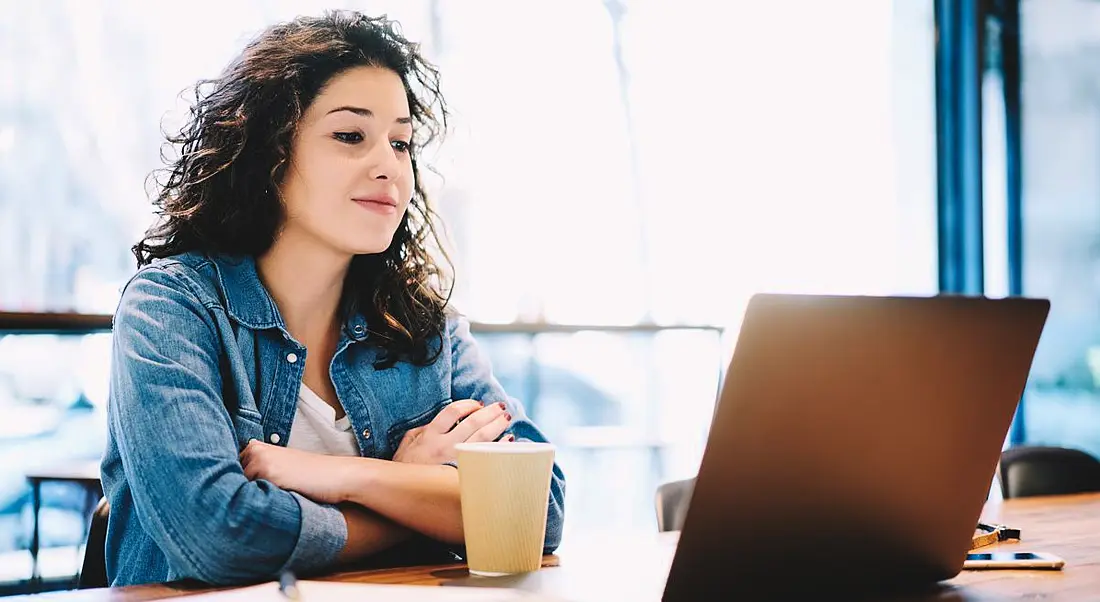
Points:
(288, 382)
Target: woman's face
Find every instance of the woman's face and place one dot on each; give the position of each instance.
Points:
(350, 175)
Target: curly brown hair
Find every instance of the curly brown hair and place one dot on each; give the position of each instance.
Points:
(220, 195)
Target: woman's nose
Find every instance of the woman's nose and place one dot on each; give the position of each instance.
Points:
(382, 162)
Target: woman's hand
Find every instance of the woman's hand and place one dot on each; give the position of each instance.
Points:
(319, 477)
(460, 421)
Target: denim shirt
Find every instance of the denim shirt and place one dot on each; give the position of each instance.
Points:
(202, 362)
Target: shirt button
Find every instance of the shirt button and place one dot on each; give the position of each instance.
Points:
(366, 433)
(292, 357)
(274, 438)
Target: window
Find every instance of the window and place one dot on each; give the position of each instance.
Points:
(1061, 213)
(657, 163)
(53, 393)
(731, 151)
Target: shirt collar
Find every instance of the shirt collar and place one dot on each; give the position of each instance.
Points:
(248, 302)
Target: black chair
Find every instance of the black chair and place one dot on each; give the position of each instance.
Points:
(93, 572)
(672, 503)
(1038, 470)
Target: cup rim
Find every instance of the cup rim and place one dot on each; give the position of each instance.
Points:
(517, 447)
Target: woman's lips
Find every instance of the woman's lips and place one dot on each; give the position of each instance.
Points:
(383, 205)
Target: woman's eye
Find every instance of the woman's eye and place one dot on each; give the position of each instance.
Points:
(348, 137)
(401, 146)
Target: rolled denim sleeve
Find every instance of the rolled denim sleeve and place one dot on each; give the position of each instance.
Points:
(179, 450)
(472, 378)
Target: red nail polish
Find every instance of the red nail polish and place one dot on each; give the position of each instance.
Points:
(511, 438)
(507, 416)
(501, 404)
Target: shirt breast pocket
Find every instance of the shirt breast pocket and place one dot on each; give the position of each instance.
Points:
(248, 425)
(402, 426)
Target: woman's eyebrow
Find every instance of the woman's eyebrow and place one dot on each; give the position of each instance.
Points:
(365, 113)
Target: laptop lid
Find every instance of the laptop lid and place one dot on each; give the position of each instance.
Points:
(854, 443)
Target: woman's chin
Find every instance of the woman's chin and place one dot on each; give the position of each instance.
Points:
(371, 247)
(361, 240)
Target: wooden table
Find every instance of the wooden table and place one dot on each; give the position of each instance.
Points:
(608, 568)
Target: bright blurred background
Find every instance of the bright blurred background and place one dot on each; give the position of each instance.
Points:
(636, 167)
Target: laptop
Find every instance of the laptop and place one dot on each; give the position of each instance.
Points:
(853, 445)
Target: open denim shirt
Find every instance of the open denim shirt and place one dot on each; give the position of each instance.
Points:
(202, 363)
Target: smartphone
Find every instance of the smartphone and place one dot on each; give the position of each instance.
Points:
(1013, 560)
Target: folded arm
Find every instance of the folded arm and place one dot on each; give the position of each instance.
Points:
(417, 489)
(179, 453)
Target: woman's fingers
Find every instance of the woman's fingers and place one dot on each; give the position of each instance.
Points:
(455, 411)
(493, 430)
(247, 458)
(479, 420)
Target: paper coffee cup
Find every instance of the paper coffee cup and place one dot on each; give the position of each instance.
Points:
(505, 490)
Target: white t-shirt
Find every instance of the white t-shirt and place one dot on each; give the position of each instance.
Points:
(316, 429)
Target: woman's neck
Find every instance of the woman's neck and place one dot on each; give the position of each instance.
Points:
(306, 281)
